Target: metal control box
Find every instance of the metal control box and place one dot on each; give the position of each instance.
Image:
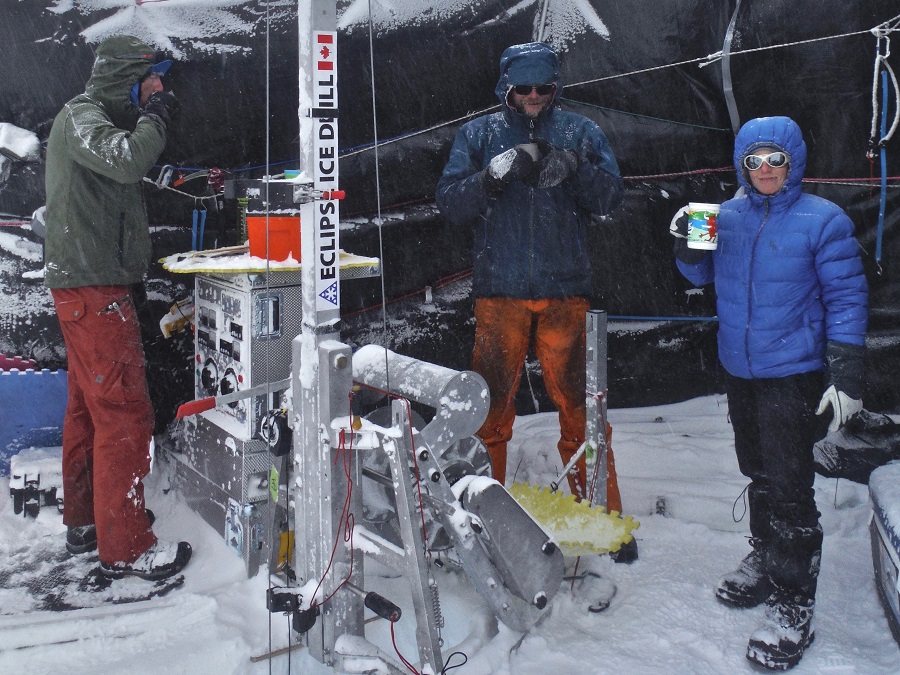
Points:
(244, 327)
(226, 481)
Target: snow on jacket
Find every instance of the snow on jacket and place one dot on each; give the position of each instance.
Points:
(97, 155)
(530, 242)
(787, 270)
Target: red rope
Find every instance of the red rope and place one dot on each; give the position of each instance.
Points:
(872, 175)
(727, 169)
(440, 283)
(696, 172)
(873, 180)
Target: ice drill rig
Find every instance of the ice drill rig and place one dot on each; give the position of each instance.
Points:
(388, 487)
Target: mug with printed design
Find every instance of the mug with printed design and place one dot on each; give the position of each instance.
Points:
(702, 231)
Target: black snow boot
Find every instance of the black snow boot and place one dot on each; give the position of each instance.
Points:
(749, 584)
(626, 554)
(160, 561)
(786, 632)
(81, 539)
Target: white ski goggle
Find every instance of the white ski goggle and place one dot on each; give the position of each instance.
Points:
(774, 159)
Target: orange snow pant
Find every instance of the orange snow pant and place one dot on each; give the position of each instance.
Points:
(503, 328)
(109, 420)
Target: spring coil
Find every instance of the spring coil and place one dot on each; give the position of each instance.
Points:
(436, 605)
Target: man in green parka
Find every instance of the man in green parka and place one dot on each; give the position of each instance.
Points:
(101, 145)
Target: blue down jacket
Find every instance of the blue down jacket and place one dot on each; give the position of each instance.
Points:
(787, 269)
(530, 242)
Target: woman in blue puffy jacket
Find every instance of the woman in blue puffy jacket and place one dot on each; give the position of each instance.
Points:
(792, 304)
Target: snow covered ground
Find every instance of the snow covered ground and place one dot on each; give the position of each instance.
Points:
(663, 618)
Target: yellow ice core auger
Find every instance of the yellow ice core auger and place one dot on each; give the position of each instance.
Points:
(577, 527)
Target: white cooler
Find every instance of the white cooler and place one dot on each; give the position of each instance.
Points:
(884, 492)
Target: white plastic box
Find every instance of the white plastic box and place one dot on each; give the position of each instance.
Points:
(884, 491)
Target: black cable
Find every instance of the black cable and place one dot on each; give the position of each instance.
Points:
(448, 667)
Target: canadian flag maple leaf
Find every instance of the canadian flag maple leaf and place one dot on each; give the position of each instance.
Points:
(325, 52)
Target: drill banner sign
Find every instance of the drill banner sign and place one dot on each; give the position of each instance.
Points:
(325, 173)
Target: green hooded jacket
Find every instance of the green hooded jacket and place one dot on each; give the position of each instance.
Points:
(99, 150)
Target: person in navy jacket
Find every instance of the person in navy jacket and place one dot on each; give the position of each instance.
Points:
(792, 304)
(530, 179)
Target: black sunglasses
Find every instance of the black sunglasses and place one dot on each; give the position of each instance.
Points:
(774, 159)
(541, 89)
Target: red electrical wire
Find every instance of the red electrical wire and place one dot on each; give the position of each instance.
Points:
(406, 663)
(346, 518)
(415, 463)
(421, 505)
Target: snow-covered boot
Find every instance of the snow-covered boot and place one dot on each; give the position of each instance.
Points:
(785, 633)
(749, 584)
(626, 554)
(81, 539)
(160, 561)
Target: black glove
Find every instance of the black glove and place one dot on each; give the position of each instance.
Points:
(846, 370)
(555, 164)
(163, 104)
(514, 164)
(846, 367)
(689, 256)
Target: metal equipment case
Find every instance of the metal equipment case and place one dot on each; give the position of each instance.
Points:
(244, 327)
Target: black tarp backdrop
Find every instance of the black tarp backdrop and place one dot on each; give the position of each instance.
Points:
(669, 126)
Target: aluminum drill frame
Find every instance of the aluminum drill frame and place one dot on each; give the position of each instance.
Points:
(597, 383)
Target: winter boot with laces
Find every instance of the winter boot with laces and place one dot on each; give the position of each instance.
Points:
(749, 585)
(785, 633)
(160, 561)
(81, 539)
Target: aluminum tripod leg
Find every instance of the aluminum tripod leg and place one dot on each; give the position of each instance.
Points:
(321, 488)
(595, 402)
(410, 561)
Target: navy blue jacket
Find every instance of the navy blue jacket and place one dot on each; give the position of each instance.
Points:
(787, 269)
(529, 242)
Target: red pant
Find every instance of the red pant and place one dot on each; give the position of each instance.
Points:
(503, 329)
(109, 420)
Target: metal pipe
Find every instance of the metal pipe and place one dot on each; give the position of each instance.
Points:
(460, 398)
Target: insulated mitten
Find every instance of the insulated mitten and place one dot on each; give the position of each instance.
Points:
(555, 164)
(514, 164)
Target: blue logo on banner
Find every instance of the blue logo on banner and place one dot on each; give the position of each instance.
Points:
(330, 294)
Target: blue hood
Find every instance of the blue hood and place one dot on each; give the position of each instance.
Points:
(531, 63)
(778, 132)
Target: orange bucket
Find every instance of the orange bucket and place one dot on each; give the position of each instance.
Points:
(284, 237)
